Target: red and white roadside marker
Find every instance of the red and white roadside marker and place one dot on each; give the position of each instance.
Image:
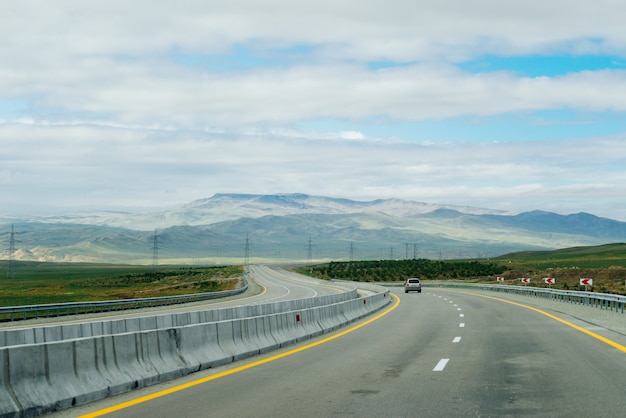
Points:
(586, 282)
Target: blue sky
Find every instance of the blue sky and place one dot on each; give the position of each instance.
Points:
(145, 105)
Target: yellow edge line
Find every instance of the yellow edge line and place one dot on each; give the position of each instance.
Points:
(237, 369)
(556, 318)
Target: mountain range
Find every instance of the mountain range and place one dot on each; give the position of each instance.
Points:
(235, 228)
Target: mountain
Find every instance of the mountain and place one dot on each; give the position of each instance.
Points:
(227, 228)
(228, 207)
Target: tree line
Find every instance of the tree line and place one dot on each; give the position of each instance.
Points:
(399, 270)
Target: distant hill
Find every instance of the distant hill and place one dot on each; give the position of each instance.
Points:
(286, 227)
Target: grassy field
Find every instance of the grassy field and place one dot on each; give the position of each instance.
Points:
(33, 283)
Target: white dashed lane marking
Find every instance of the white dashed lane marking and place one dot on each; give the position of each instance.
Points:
(441, 365)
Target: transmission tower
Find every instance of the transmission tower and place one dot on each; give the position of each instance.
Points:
(351, 251)
(406, 249)
(11, 266)
(309, 250)
(246, 252)
(155, 249)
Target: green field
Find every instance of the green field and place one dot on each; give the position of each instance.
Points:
(33, 283)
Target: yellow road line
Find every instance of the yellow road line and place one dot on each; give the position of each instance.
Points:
(237, 369)
(556, 318)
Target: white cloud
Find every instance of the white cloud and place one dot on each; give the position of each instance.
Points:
(112, 60)
(412, 93)
(110, 117)
(71, 167)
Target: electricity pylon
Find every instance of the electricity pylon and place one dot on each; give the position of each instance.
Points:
(10, 267)
(155, 250)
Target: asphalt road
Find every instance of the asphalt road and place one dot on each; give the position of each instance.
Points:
(280, 284)
(440, 353)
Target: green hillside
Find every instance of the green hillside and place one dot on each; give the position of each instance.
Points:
(601, 256)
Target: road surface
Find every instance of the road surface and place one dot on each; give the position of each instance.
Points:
(441, 353)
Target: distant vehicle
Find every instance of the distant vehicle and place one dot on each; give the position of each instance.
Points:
(413, 284)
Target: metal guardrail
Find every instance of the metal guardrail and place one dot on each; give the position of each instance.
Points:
(605, 301)
(17, 313)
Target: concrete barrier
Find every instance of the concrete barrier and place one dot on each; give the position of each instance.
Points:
(79, 363)
(52, 333)
(8, 405)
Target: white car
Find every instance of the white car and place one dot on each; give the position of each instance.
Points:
(413, 284)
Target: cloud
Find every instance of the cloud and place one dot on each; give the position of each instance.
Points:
(70, 167)
(413, 93)
(114, 61)
(123, 104)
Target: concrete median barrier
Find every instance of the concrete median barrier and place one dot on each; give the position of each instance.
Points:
(57, 367)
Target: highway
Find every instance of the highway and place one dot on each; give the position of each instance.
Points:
(441, 353)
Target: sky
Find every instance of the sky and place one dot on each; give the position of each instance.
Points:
(144, 105)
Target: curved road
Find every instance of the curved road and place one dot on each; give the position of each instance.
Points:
(281, 284)
(441, 353)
